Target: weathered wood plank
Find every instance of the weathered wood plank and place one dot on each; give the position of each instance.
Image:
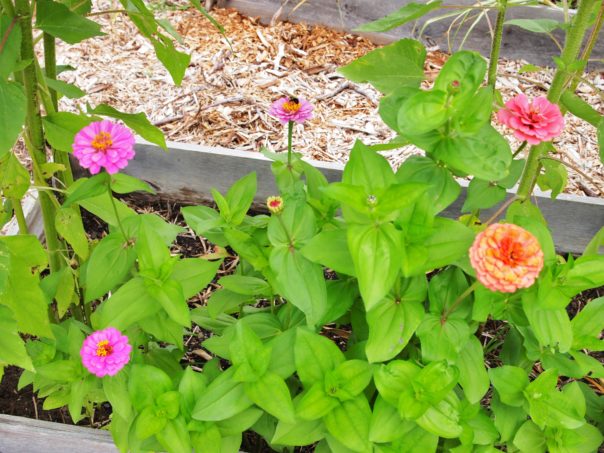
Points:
(188, 172)
(25, 435)
(348, 14)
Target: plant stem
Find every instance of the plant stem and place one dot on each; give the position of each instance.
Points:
(520, 148)
(290, 134)
(117, 216)
(50, 65)
(502, 208)
(458, 301)
(496, 45)
(572, 47)
(33, 130)
(20, 216)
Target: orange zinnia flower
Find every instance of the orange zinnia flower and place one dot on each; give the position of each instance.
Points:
(506, 258)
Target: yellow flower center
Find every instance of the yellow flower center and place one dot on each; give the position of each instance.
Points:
(103, 348)
(292, 106)
(102, 141)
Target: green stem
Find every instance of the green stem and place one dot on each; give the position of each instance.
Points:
(458, 301)
(572, 47)
(290, 135)
(496, 45)
(33, 130)
(20, 216)
(117, 216)
(50, 65)
(520, 148)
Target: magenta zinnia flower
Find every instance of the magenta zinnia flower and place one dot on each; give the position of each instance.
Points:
(104, 144)
(105, 352)
(291, 109)
(535, 122)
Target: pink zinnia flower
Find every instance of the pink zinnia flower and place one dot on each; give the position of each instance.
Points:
(535, 122)
(291, 109)
(274, 204)
(105, 352)
(104, 144)
(506, 257)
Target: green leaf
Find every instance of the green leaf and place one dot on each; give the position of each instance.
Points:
(301, 432)
(535, 25)
(116, 391)
(109, 265)
(330, 249)
(145, 384)
(172, 300)
(483, 195)
(174, 61)
(375, 250)
(467, 68)
(59, 21)
(394, 378)
(10, 35)
(223, 398)
(148, 423)
(194, 274)
(530, 438)
(12, 348)
(422, 113)
(191, 387)
(507, 418)
(66, 89)
(510, 382)
(551, 327)
(136, 121)
(529, 68)
(122, 183)
(152, 253)
(386, 423)
(554, 177)
(60, 129)
(248, 354)
(88, 188)
(68, 222)
(442, 340)
(12, 114)
(348, 380)
(240, 197)
(392, 322)
(442, 419)
(14, 178)
(271, 394)
(473, 376)
(580, 108)
(600, 139)
(248, 286)
(349, 423)
(587, 325)
(407, 13)
(389, 67)
(314, 403)
(314, 356)
(60, 370)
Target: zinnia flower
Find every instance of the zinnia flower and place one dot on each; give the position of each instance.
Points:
(105, 352)
(535, 122)
(104, 144)
(274, 204)
(506, 257)
(291, 109)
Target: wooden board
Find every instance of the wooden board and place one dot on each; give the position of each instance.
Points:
(187, 173)
(26, 435)
(348, 14)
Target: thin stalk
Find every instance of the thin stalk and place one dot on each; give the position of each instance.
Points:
(117, 216)
(20, 216)
(33, 130)
(458, 301)
(496, 45)
(290, 135)
(572, 47)
(50, 65)
(520, 148)
(502, 208)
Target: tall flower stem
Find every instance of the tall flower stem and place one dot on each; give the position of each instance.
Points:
(33, 131)
(290, 135)
(20, 216)
(496, 45)
(7, 7)
(117, 215)
(572, 47)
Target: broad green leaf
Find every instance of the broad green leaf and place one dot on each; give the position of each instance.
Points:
(442, 419)
(222, 399)
(348, 380)
(301, 432)
(314, 403)
(10, 35)
(240, 197)
(315, 355)
(60, 129)
(116, 391)
(194, 274)
(587, 324)
(137, 121)
(389, 67)
(535, 25)
(248, 286)
(123, 183)
(407, 13)
(442, 340)
(392, 379)
(59, 21)
(330, 248)
(375, 250)
(172, 300)
(483, 195)
(248, 354)
(88, 188)
(392, 322)
(507, 418)
(110, 263)
(473, 376)
(145, 384)
(580, 108)
(349, 423)
(368, 169)
(271, 394)
(530, 438)
(14, 178)
(174, 61)
(66, 89)
(60, 370)
(68, 222)
(510, 382)
(554, 177)
(386, 423)
(12, 114)
(422, 113)
(467, 68)
(12, 348)
(551, 327)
